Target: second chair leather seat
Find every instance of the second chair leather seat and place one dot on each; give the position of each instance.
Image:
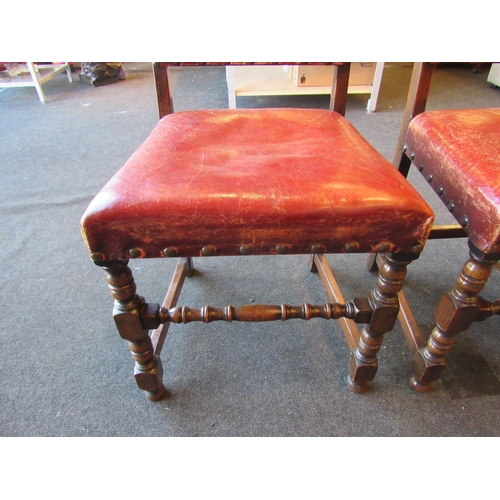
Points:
(458, 152)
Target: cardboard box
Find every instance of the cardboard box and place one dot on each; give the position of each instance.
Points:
(318, 76)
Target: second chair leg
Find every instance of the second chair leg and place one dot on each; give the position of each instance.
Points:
(457, 310)
(363, 364)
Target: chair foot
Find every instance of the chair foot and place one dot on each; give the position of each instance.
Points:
(418, 386)
(428, 366)
(356, 386)
(361, 368)
(158, 394)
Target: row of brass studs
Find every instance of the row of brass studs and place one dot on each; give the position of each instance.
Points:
(209, 250)
(440, 190)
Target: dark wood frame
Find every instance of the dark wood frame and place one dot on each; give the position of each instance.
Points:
(338, 100)
(377, 312)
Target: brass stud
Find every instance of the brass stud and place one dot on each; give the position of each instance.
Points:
(317, 249)
(420, 168)
(412, 156)
(429, 178)
(440, 191)
(97, 256)
(282, 249)
(417, 248)
(351, 247)
(405, 148)
(383, 247)
(170, 252)
(451, 206)
(134, 253)
(208, 250)
(245, 250)
(465, 221)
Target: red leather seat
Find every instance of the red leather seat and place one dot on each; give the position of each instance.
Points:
(458, 151)
(259, 181)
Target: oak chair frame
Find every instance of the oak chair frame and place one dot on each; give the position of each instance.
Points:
(145, 325)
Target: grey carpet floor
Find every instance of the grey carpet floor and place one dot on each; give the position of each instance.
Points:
(64, 370)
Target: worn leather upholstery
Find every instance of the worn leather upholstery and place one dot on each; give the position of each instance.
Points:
(458, 151)
(268, 180)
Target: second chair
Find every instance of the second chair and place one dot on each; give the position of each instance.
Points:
(458, 153)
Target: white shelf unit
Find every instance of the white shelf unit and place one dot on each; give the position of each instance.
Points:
(268, 80)
(37, 75)
(494, 75)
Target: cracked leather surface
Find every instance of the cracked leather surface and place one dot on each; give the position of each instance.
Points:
(258, 177)
(460, 149)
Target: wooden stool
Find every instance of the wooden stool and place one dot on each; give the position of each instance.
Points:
(458, 152)
(214, 183)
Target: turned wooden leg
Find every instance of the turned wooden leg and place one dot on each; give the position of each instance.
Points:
(128, 307)
(363, 364)
(456, 311)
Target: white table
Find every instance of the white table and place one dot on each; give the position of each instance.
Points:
(37, 75)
